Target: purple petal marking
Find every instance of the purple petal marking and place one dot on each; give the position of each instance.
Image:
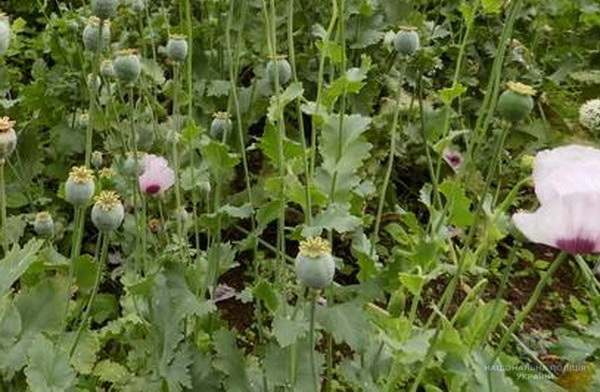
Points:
(576, 245)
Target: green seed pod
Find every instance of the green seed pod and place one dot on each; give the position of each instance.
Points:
(516, 102)
(407, 40)
(132, 166)
(283, 68)
(138, 6)
(221, 124)
(127, 65)
(90, 34)
(8, 138)
(314, 263)
(108, 211)
(80, 186)
(96, 159)
(4, 33)
(43, 225)
(107, 70)
(177, 48)
(104, 9)
(73, 26)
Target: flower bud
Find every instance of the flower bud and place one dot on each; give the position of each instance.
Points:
(138, 6)
(96, 159)
(8, 138)
(106, 175)
(407, 41)
(4, 33)
(104, 9)
(127, 65)
(43, 224)
(80, 186)
(90, 34)
(177, 48)
(283, 68)
(314, 263)
(589, 115)
(516, 102)
(221, 124)
(107, 70)
(133, 166)
(108, 211)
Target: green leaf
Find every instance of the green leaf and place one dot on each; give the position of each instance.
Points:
(343, 149)
(266, 292)
(449, 94)
(276, 106)
(269, 145)
(459, 204)
(230, 361)
(217, 88)
(287, 330)
(268, 212)
(347, 323)
(15, 263)
(48, 368)
(84, 356)
(351, 82)
(414, 283)
(336, 217)
(218, 157)
(492, 6)
(113, 372)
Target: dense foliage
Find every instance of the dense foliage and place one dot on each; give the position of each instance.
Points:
(188, 174)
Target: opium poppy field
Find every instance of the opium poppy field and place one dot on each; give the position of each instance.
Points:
(299, 195)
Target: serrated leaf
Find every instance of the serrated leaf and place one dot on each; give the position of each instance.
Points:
(276, 106)
(449, 94)
(459, 210)
(347, 323)
(492, 6)
(269, 144)
(217, 88)
(113, 372)
(266, 292)
(16, 262)
(48, 367)
(287, 330)
(269, 212)
(230, 361)
(351, 82)
(218, 157)
(336, 217)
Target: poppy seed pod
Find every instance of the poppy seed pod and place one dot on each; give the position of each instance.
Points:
(4, 33)
(108, 211)
(283, 68)
(127, 65)
(221, 124)
(43, 224)
(90, 34)
(80, 186)
(177, 48)
(8, 138)
(589, 115)
(314, 263)
(134, 166)
(138, 6)
(407, 41)
(516, 102)
(96, 159)
(104, 9)
(106, 69)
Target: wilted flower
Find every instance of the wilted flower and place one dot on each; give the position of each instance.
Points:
(4, 33)
(155, 226)
(314, 263)
(568, 188)
(80, 186)
(43, 224)
(8, 138)
(177, 48)
(108, 211)
(453, 158)
(223, 292)
(157, 176)
(589, 115)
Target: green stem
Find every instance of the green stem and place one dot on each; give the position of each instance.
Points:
(175, 153)
(311, 340)
(135, 181)
(93, 95)
(86, 314)
(545, 279)
(3, 219)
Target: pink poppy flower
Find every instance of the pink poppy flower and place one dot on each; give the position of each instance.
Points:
(157, 176)
(567, 184)
(453, 158)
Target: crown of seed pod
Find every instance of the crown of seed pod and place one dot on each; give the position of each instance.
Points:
(104, 9)
(221, 124)
(8, 138)
(91, 32)
(314, 263)
(177, 48)
(407, 40)
(107, 70)
(108, 211)
(4, 33)
(127, 65)
(80, 186)
(589, 115)
(516, 102)
(43, 224)
(278, 65)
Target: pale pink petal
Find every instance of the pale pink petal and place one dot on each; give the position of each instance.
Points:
(157, 176)
(569, 222)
